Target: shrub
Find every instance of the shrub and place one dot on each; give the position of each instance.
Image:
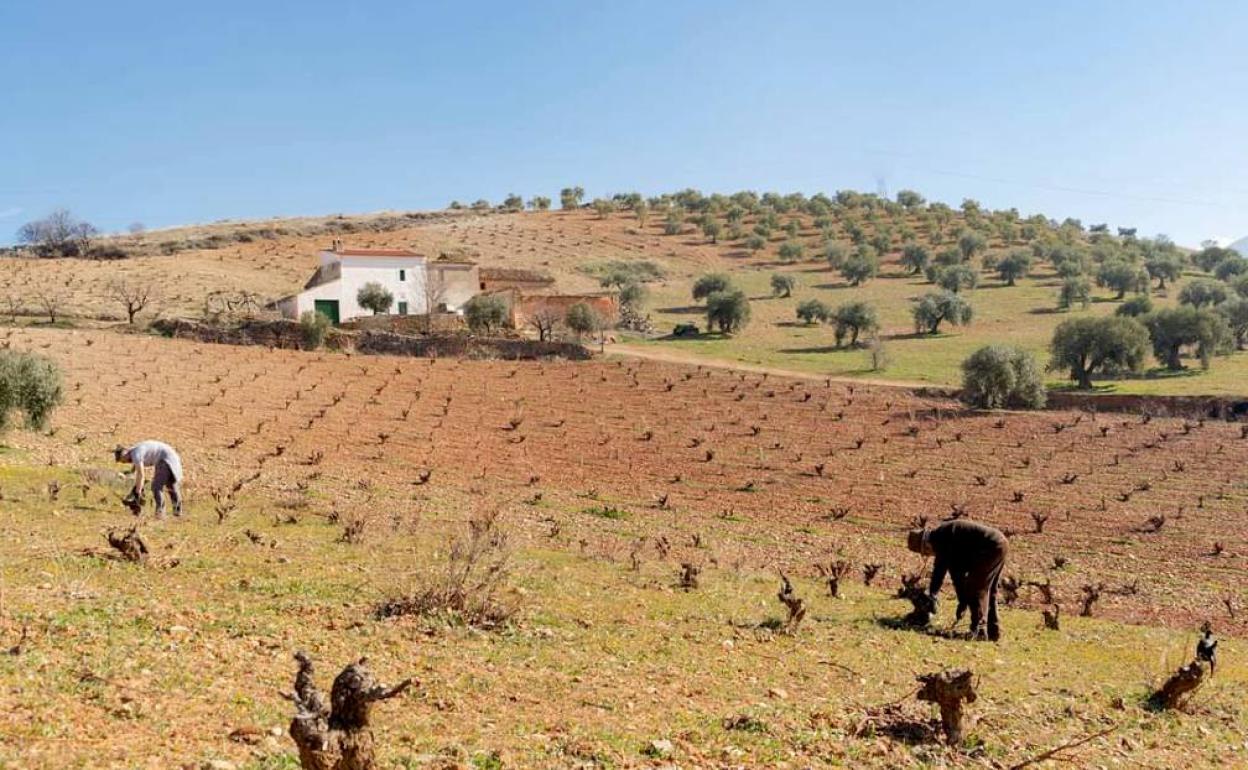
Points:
(791, 251)
(1173, 329)
(30, 384)
(1135, 307)
(616, 271)
(1201, 292)
(314, 328)
(853, 319)
(862, 266)
(1084, 346)
(813, 310)
(782, 284)
(603, 206)
(375, 297)
(709, 284)
(728, 310)
(755, 242)
(1076, 289)
(934, 308)
(469, 588)
(485, 312)
(1001, 376)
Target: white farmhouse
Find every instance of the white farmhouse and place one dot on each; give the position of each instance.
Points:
(417, 283)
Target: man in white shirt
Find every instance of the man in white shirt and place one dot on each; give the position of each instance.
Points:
(167, 474)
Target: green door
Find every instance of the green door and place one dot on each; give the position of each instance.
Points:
(328, 308)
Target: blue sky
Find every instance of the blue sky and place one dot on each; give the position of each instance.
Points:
(167, 113)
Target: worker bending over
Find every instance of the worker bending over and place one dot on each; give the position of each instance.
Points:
(972, 554)
(167, 474)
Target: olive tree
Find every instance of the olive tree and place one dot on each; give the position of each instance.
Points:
(791, 251)
(813, 310)
(31, 384)
(1164, 267)
(971, 243)
(1176, 328)
(914, 258)
(1015, 265)
(485, 312)
(1202, 292)
(1076, 289)
(539, 203)
(375, 297)
(571, 197)
(755, 242)
(709, 284)
(782, 284)
(853, 319)
(1235, 311)
(1229, 268)
(835, 253)
(1137, 306)
(1084, 346)
(1122, 277)
(727, 310)
(603, 206)
(862, 266)
(1000, 377)
(955, 278)
(934, 308)
(582, 319)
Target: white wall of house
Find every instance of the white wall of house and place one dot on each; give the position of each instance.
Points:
(408, 289)
(402, 276)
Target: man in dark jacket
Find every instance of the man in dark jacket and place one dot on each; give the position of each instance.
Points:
(973, 555)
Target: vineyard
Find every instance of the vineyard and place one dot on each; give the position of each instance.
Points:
(318, 482)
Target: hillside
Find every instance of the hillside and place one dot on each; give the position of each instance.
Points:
(273, 258)
(321, 486)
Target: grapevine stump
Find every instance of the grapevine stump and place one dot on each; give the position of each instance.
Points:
(337, 737)
(950, 689)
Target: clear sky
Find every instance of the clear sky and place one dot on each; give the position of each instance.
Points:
(1134, 114)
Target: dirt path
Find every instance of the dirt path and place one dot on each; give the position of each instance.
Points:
(676, 357)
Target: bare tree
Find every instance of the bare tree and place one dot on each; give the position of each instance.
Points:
(133, 295)
(13, 304)
(60, 234)
(434, 291)
(544, 320)
(51, 302)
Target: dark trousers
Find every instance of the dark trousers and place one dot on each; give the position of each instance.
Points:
(163, 479)
(977, 588)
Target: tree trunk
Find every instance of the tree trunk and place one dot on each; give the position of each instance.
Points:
(336, 738)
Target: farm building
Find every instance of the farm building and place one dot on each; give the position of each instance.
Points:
(417, 283)
(525, 307)
(524, 281)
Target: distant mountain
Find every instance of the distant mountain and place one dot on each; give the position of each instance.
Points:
(1241, 246)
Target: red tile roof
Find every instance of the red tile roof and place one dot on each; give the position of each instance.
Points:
(375, 253)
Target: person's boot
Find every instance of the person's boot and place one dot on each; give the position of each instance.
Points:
(994, 632)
